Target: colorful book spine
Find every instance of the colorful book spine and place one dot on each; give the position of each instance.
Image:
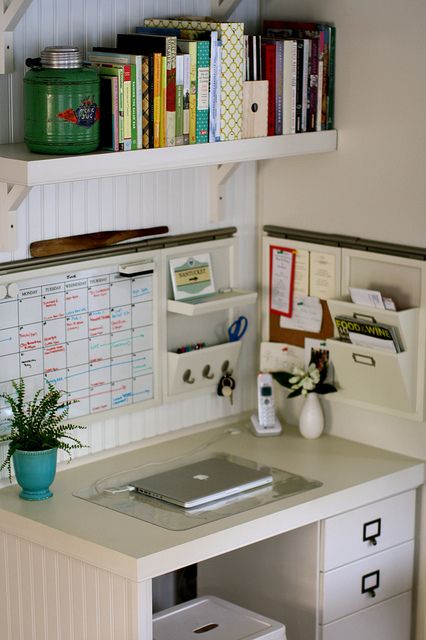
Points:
(299, 86)
(145, 102)
(213, 115)
(232, 36)
(135, 110)
(171, 91)
(320, 79)
(157, 98)
(190, 47)
(203, 77)
(117, 70)
(219, 91)
(305, 82)
(164, 115)
(127, 108)
(269, 74)
(326, 54)
(179, 100)
(279, 74)
(313, 85)
(186, 95)
(289, 90)
(331, 77)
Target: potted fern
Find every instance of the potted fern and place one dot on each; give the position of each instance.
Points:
(37, 431)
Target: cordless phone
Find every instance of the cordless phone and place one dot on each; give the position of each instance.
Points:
(266, 422)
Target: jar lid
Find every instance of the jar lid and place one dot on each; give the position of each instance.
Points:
(61, 57)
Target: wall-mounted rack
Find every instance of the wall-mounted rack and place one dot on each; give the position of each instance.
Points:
(366, 376)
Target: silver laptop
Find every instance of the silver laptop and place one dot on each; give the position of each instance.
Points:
(202, 482)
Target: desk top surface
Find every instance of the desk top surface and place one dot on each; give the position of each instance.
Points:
(352, 475)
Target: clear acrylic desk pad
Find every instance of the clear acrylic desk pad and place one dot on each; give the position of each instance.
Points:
(111, 493)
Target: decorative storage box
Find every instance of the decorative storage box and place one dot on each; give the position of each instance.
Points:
(214, 619)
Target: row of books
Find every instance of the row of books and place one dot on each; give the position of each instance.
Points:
(297, 59)
(167, 84)
(181, 81)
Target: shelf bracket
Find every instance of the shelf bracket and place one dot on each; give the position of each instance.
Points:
(222, 9)
(219, 174)
(10, 15)
(11, 196)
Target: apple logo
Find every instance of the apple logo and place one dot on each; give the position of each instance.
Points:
(200, 476)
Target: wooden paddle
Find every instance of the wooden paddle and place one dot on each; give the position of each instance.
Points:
(68, 244)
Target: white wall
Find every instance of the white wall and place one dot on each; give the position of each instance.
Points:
(374, 186)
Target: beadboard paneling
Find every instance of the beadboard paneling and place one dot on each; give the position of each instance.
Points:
(178, 198)
(65, 599)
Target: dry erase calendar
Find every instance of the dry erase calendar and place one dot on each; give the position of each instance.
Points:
(90, 331)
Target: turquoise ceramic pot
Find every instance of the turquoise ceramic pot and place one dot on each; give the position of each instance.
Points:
(35, 471)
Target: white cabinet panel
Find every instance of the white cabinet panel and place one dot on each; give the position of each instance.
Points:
(350, 536)
(350, 588)
(389, 620)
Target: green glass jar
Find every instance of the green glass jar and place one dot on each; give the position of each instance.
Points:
(61, 103)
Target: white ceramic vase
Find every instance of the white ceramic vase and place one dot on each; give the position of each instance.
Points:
(311, 421)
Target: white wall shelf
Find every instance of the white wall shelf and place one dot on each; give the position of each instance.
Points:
(216, 302)
(20, 166)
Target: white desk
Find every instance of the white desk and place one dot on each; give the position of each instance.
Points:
(73, 570)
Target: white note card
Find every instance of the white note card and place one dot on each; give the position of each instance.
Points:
(277, 356)
(322, 275)
(301, 273)
(307, 315)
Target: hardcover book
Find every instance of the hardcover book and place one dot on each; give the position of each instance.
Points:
(146, 44)
(232, 37)
(109, 106)
(111, 54)
(203, 77)
(145, 102)
(268, 73)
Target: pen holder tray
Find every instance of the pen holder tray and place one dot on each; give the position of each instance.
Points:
(202, 369)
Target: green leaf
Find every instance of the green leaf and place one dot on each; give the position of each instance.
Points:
(325, 388)
(283, 378)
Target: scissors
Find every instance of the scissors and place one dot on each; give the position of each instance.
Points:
(237, 329)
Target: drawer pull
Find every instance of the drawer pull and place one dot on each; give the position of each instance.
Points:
(360, 358)
(370, 582)
(371, 531)
(364, 316)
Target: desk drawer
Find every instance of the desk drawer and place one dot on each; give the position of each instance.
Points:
(389, 620)
(350, 588)
(363, 532)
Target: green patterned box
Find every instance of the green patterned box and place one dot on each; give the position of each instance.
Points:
(232, 34)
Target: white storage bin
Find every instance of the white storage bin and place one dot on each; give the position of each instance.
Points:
(214, 619)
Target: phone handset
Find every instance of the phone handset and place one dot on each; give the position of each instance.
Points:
(266, 422)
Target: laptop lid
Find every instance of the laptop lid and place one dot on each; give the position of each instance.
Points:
(201, 482)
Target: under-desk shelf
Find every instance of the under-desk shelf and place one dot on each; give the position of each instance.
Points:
(22, 167)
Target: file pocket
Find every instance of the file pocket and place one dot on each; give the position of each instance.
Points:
(374, 375)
